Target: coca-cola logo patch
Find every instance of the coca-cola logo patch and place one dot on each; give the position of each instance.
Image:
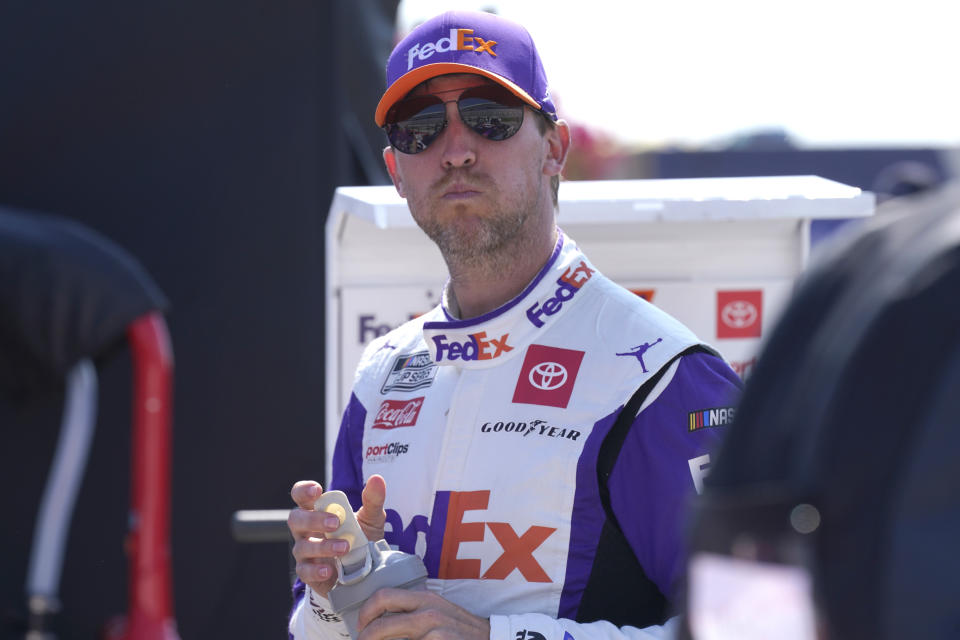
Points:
(739, 314)
(547, 376)
(397, 413)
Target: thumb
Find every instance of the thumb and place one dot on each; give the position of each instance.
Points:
(371, 514)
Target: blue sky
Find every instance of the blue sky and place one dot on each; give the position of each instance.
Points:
(691, 72)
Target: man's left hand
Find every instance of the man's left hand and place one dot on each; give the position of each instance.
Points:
(414, 614)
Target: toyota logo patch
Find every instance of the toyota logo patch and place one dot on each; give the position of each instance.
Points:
(547, 376)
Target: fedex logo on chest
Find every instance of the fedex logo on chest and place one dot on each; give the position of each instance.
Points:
(446, 531)
(459, 40)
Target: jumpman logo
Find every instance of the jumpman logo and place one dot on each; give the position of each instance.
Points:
(639, 350)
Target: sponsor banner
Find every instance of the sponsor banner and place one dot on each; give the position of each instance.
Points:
(744, 367)
(547, 376)
(739, 313)
(367, 312)
(695, 305)
(397, 413)
(646, 294)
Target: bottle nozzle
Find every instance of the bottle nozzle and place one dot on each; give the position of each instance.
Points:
(358, 557)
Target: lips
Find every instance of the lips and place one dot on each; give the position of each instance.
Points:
(458, 191)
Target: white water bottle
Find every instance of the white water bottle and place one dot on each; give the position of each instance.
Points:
(367, 566)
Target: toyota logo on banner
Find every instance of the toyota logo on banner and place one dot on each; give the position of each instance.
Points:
(739, 313)
(548, 376)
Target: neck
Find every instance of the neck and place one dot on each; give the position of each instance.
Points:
(482, 285)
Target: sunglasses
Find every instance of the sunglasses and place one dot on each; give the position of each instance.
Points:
(490, 110)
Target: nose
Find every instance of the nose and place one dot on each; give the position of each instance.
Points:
(459, 142)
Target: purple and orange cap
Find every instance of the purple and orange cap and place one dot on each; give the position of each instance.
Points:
(468, 42)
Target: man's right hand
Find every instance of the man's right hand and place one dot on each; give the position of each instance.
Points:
(315, 553)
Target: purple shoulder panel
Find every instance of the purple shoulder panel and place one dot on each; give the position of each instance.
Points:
(662, 459)
(586, 520)
(347, 472)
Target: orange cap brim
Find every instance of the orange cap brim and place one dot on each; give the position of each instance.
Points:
(405, 83)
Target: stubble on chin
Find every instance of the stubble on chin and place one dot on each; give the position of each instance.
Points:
(485, 240)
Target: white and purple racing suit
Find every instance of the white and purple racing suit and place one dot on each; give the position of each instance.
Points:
(489, 434)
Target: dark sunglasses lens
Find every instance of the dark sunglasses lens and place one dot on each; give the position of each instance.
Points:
(491, 111)
(414, 123)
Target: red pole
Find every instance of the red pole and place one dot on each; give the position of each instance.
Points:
(150, 614)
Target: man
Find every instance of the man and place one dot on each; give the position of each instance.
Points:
(493, 419)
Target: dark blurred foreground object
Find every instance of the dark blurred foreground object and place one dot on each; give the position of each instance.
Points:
(69, 298)
(833, 508)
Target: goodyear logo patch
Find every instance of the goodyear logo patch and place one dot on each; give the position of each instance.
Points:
(705, 418)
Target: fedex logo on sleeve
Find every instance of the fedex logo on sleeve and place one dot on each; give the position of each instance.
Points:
(459, 40)
(446, 531)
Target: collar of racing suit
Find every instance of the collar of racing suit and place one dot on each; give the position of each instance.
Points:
(493, 338)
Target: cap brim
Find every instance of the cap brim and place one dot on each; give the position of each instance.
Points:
(405, 83)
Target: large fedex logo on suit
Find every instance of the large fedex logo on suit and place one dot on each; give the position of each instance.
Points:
(445, 531)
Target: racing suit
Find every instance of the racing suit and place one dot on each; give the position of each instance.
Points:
(487, 432)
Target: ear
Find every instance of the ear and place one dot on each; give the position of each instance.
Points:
(558, 144)
(390, 159)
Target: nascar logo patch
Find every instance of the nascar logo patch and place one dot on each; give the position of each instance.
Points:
(706, 418)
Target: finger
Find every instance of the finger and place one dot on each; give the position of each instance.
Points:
(416, 615)
(305, 493)
(371, 515)
(310, 548)
(434, 624)
(390, 601)
(374, 493)
(304, 523)
(318, 573)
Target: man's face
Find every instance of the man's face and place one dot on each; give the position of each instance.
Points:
(470, 195)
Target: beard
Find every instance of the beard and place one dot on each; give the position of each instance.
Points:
(479, 239)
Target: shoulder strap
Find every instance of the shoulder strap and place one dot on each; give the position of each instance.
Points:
(618, 589)
(613, 442)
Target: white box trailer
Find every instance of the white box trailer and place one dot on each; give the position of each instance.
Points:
(719, 254)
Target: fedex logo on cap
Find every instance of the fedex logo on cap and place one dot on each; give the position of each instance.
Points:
(459, 40)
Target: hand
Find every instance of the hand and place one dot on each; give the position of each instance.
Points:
(312, 550)
(415, 614)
